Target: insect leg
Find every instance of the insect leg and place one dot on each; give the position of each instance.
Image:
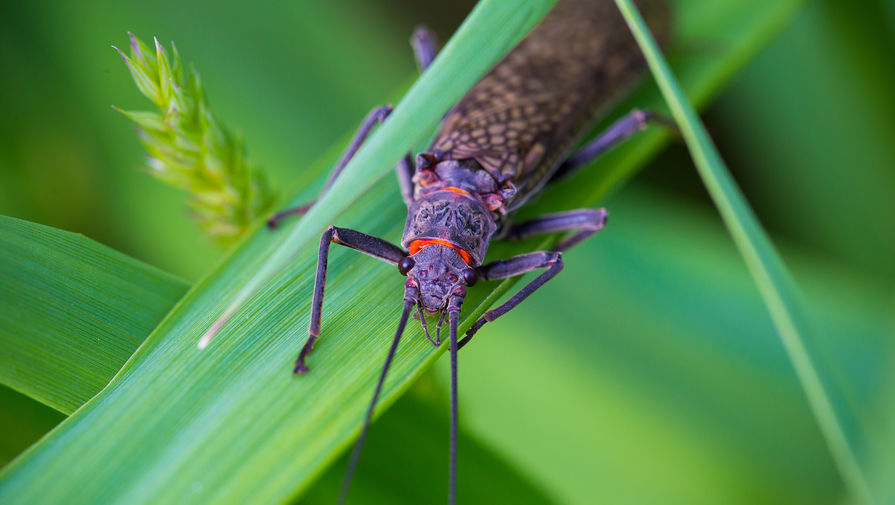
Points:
(405, 170)
(376, 115)
(585, 221)
(424, 50)
(517, 265)
(637, 120)
(374, 246)
(425, 47)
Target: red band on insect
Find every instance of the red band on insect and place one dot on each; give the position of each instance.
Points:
(453, 189)
(418, 245)
(456, 190)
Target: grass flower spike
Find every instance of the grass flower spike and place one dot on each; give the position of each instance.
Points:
(187, 148)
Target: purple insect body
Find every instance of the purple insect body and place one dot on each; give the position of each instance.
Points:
(507, 138)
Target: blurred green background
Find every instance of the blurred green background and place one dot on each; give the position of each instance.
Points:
(649, 371)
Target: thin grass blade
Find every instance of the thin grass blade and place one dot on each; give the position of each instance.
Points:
(774, 282)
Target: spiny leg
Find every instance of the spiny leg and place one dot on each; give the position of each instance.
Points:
(355, 453)
(374, 246)
(586, 221)
(619, 131)
(377, 115)
(517, 265)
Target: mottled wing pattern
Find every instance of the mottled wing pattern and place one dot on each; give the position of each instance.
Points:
(529, 109)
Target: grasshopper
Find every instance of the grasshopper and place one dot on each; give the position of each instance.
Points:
(507, 138)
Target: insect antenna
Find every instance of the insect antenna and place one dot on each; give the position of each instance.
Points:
(355, 454)
(452, 490)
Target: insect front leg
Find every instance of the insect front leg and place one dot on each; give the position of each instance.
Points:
(635, 121)
(585, 221)
(374, 246)
(377, 115)
(425, 49)
(517, 265)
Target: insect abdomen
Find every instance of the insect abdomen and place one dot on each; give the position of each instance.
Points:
(524, 115)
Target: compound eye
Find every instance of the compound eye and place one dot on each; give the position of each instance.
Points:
(405, 265)
(469, 277)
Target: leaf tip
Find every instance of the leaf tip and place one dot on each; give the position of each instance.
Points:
(135, 46)
(120, 52)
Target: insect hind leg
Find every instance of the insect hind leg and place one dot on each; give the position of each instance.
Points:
(511, 267)
(584, 222)
(635, 121)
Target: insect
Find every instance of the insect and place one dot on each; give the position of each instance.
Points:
(507, 138)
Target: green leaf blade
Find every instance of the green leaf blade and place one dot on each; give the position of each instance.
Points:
(261, 465)
(71, 312)
(484, 42)
(24, 420)
(407, 449)
(771, 276)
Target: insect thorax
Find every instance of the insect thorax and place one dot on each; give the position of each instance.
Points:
(457, 218)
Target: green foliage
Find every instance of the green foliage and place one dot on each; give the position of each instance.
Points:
(22, 422)
(223, 421)
(188, 149)
(661, 380)
(405, 460)
(664, 362)
(48, 257)
(72, 312)
(771, 276)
